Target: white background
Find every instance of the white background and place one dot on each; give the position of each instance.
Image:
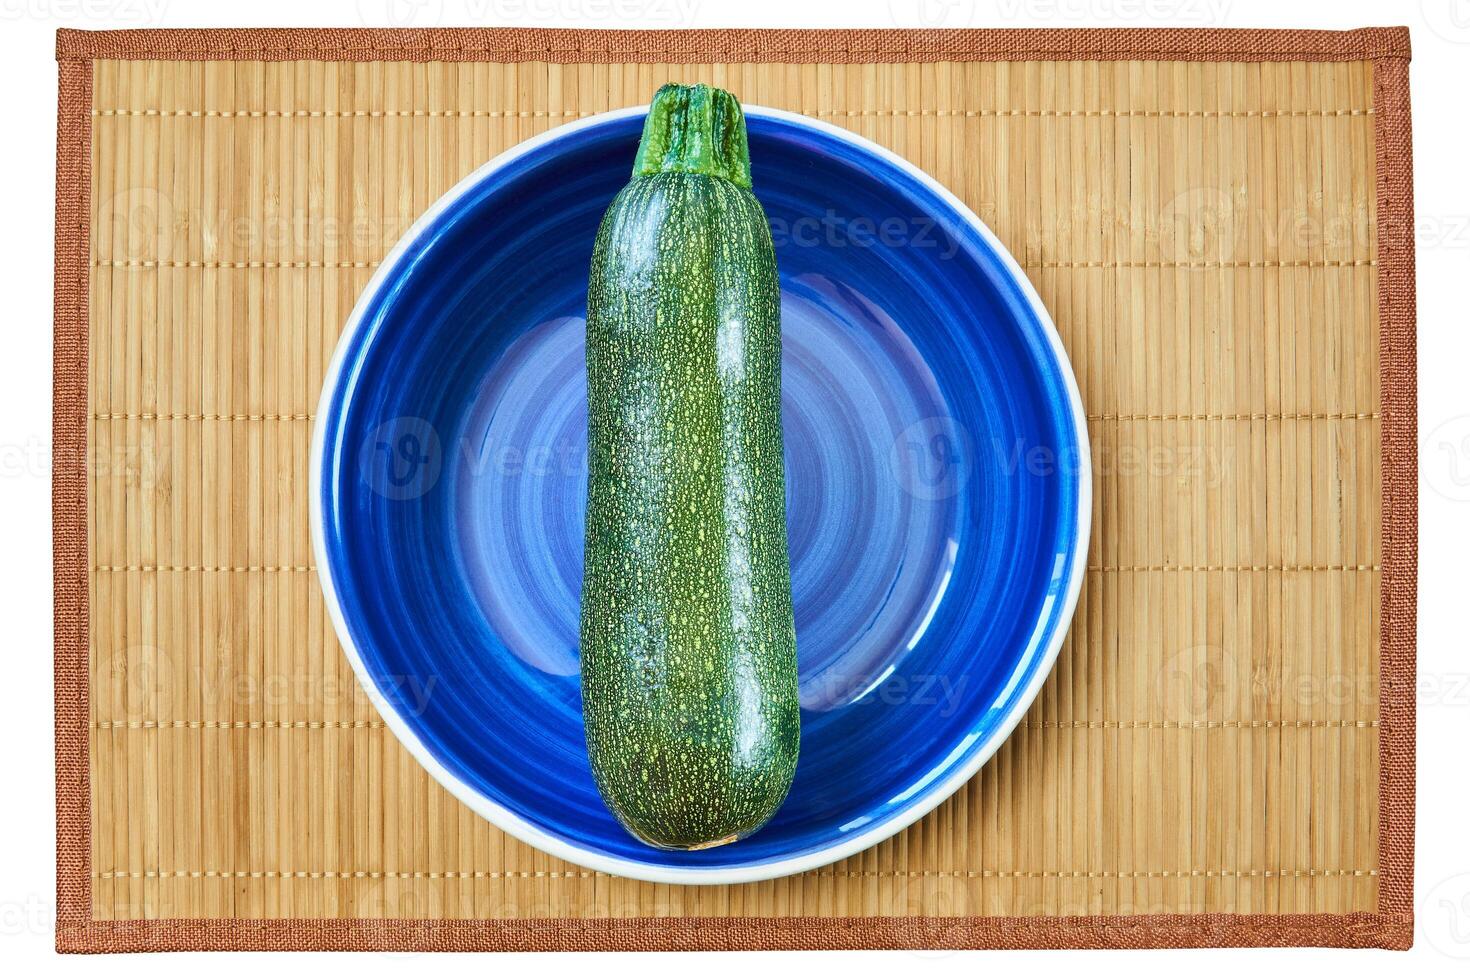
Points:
(1441, 94)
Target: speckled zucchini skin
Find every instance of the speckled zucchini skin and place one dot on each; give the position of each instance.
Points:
(689, 682)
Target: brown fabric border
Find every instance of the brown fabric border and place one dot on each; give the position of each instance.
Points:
(1391, 927)
(1355, 931)
(69, 494)
(1399, 512)
(562, 45)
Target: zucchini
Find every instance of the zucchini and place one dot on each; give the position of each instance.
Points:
(689, 683)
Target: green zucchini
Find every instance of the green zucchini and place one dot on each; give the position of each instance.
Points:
(689, 684)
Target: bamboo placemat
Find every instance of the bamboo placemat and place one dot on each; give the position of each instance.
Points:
(1220, 224)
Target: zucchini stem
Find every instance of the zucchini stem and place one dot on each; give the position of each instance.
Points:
(694, 129)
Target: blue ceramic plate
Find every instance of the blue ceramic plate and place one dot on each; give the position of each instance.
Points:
(938, 491)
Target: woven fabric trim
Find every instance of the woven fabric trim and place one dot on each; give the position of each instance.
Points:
(1399, 514)
(568, 46)
(1389, 928)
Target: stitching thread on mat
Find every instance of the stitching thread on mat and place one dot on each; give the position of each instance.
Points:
(754, 52)
(242, 264)
(1187, 264)
(1043, 265)
(820, 113)
(199, 725)
(1100, 417)
(202, 417)
(203, 725)
(1359, 923)
(1193, 725)
(1234, 568)
(203, 568)
(1095, 567)
(452, 875)
(1231, 416)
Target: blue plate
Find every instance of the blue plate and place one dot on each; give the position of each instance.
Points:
(938, 491)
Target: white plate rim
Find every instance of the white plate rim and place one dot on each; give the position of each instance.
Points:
(524, 830)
